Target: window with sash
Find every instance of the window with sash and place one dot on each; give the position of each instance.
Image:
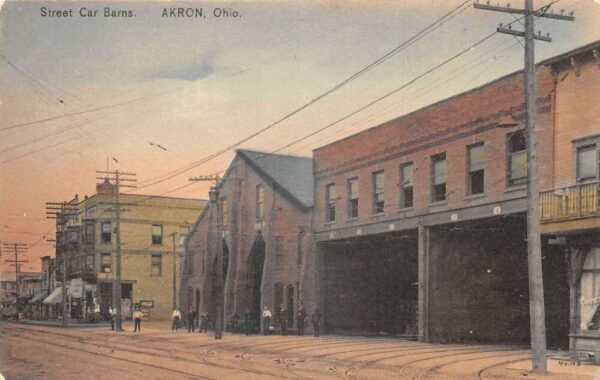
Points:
(476, 174)
(438, 170)
(379, 192)
(406, 185)
(353, 198)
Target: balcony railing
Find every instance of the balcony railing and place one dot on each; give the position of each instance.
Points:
(573, 202)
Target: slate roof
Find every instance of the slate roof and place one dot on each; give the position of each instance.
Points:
(290, 175)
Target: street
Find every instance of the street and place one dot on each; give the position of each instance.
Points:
(42, 352)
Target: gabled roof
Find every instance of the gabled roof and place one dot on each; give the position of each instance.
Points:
(292, 176)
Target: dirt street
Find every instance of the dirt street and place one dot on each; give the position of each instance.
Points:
(42, 352)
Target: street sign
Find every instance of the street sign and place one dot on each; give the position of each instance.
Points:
(146, 303)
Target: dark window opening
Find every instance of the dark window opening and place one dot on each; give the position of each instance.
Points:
(378, 192)
(406, 185)
(517, 158)
(438, 163)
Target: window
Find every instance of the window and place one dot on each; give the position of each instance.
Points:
(156, 265)
(587, 163)
(353, 198)
(89, 233)
(300, 246)
(438, 170)
(517, 158)
(378, 192)
(184, 232)
(224, 213)
(260, 202)
(157, 234)
(106, 232)
(279, 251)
(105, 262)
(330, 203)
(89, 264)
(73, 236)
(475, 159)
(590, 291)
(406, 185)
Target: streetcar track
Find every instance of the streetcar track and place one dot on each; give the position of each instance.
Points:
(482, 370)
(66, 347)
(171, 357)
(437, 367)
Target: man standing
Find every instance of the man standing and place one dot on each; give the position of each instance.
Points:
(111, 315)
(248, 321)
(300, 317)
(175, 316)
(137, 320)
(316, 320)
(283, 319)
(266, 320)
(191, 319)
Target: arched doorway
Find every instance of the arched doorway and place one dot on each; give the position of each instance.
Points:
(256, 261)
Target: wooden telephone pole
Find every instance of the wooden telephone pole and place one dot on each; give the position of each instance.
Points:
(534, 251)
(214, 199)
(16, 249)
(63, 212)
(173, 236)
(117, 177)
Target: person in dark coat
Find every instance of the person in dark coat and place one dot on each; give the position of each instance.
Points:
(191, 319)
(316, 320)
(204, 324)
(283, 319)
(300, 317)
(248, 322)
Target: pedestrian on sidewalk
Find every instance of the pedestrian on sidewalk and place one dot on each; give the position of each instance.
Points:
(137, 320)
(176, 316)
(266, 321)
(300, 317)
(283, 319)
(191, 319)
(111, 315)
(248, 321)
(316, 320)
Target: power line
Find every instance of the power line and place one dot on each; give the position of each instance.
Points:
(343, 83)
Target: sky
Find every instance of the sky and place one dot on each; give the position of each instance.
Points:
(196, 86)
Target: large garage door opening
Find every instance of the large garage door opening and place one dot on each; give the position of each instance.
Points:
(370, 285)
(479, 282)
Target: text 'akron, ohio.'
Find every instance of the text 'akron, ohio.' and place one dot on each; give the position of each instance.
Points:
(177, 12)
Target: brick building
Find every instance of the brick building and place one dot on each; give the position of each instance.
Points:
(88, 244)
(266, 202)
(420, 222)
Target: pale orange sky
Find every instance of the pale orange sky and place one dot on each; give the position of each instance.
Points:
(196, 86)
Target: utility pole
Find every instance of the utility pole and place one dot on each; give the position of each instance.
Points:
(534, 250)
(16, 249)
(116, 177)
(214, 199)
(62, 212)
(173, 235)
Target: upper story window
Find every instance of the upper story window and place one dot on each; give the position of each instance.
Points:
(89, 232)
(106, 233)
(156, 264)
(475, 170)
(260, 202)
(587, 163)
(224, 213)
(406, 185)
(330, 203)
(438, 180)
(378, 192)
(157, 234)
(353, 198)
(517, 158)
(105, 262)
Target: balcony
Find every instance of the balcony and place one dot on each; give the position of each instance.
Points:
(573, 202)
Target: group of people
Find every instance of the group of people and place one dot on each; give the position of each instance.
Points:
(282, 319)
(267, 316)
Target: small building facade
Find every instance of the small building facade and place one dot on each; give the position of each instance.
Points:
(153, 231)
(570, 210)
(265, 202)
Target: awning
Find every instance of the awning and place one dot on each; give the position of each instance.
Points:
(55, 296)
(38, 297)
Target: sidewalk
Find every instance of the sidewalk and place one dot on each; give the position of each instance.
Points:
(58, 323)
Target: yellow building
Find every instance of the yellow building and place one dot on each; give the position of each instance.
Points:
(153, 230)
